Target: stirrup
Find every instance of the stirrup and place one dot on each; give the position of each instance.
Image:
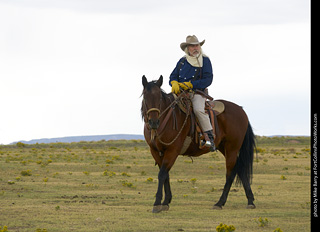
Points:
(209, 144)
(206, 144)
(213, 147)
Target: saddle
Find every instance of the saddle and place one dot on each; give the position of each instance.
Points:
(212, 108)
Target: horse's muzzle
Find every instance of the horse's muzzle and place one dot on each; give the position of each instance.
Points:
(154, 123)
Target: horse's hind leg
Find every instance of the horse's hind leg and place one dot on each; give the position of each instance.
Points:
(231, 159)
(226, 189)
(234, 168)
(245, 180)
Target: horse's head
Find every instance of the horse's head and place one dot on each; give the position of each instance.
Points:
(151, 101)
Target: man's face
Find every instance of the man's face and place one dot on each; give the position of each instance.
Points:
(194, 49)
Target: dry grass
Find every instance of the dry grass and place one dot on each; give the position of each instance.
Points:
(107, 186)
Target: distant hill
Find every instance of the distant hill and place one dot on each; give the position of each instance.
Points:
(281, 139)
(71, 139)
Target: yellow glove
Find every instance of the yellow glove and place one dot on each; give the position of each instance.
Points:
(175, 87)
(186, 85)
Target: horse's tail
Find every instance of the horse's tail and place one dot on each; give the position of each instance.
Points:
(245, 159)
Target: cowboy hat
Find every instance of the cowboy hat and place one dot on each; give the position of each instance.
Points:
(190, 40)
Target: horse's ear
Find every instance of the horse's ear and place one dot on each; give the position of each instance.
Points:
(160, 81)
(144, 81)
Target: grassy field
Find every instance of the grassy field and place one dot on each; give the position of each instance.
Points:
(110, 186)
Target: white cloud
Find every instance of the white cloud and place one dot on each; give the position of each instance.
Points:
(207, 11)
(75, 69)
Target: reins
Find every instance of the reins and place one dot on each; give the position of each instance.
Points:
(183, 125)
(170, 108)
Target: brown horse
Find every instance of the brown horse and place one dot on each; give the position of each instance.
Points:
(234, 139)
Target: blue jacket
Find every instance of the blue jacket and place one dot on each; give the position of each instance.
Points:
(184, 71)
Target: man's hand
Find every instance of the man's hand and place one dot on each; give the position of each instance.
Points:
(175, 87)
(186, 85)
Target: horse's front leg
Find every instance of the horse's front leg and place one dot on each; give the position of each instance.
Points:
(168, 194)
(162, 177)
(167, 162)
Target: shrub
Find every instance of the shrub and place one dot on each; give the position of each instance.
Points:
(225, 228)
(127, 184)
(109, 173)
(55, 175)
(116, 157)
(86, 173)
(20, 144)
(194, 189)
(260, 150)
(11, 182)
(5, 229)
(262, 222)
(282, 177)
(149, 180)
(278, 230)
(26, 173)
(109, 161)
(125, 174)
(24, 162)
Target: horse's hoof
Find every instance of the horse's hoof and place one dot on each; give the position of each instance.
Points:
(157, 209)
(251, 206)
(165, 208)
(217, 207)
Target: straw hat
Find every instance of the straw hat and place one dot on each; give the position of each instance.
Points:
(190, 40)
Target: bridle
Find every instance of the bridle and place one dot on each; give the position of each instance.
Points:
(170, 108)
(158, 110)
(151, 110)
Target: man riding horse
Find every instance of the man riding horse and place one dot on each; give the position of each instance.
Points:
(194, 72)
(167, 128)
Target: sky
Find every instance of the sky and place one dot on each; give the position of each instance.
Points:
(74, 67)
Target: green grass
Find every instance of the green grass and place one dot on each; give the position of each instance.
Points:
(106, 186)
